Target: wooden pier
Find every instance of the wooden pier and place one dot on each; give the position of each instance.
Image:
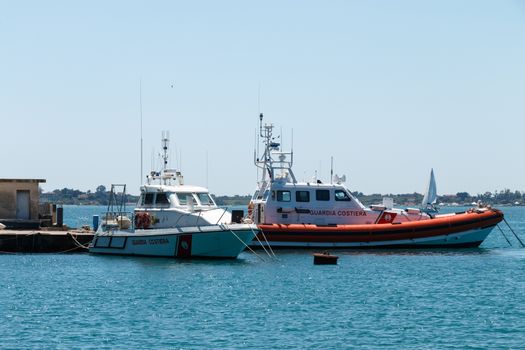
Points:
(45, 241)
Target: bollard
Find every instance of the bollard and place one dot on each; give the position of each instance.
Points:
(54, 214)
(95, 222)
(60, 216)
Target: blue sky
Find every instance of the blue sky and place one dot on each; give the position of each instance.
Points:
(389, 89)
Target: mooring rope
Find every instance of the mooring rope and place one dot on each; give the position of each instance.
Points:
(260, 243)
(247, 246)
(267, 243)
(79, 245)
(514, 233)
(503, 233)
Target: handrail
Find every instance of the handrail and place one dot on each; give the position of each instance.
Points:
(224, 212)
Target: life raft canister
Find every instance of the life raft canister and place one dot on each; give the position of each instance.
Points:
(142, 220)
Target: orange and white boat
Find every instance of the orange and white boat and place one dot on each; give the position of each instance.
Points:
(315, 214)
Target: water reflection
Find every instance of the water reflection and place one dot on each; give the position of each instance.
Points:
(389, 251)
(246, 259)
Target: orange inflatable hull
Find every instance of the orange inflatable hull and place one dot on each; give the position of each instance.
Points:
(467, 229)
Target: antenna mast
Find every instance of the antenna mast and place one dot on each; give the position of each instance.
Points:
(165, 143)
(331, 169)
(266, 162)
(259, 99)
(141, 139)
(206, 168)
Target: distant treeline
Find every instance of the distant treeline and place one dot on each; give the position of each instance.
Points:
(504, 197)
(71, 196)
(232, 200)
(101, 197)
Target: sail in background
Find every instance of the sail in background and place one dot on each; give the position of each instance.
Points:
(430, 197)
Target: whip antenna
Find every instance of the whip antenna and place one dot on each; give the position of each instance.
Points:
(259, 99)
(141, 139)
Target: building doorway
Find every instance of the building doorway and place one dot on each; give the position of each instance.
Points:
(23, 205)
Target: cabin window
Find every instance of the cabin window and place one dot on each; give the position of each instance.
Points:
(266, 194)
(341, 195)
(185, 197)
(205, 199)
(148, 198)
(322, 195)
(302, 196)
(162, 199)
(283, 196)
(255, 195)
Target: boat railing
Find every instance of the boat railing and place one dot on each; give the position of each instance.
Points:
(117, 220)
(197, 217)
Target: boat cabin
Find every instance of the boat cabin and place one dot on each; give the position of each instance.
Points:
(307, 203)
(281, 199)
(165, 206)
(180, 197)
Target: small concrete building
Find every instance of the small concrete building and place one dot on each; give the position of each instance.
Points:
(19, 198)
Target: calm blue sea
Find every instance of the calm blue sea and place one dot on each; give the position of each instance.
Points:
(398, 299)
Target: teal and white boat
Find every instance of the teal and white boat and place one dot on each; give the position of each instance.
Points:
(171, 219)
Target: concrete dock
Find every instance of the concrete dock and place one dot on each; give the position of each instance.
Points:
(45, 241)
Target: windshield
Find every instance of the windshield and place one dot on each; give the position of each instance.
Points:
(205, 199)
(162, 200)
(185, 197)
(148, 199)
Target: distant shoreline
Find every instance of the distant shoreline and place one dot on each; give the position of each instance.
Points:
(505, 197)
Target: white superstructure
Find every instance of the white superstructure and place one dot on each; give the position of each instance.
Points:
(174, 220)
(281, 199)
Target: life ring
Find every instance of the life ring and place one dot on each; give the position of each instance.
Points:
(250, 210)
(142, 220)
